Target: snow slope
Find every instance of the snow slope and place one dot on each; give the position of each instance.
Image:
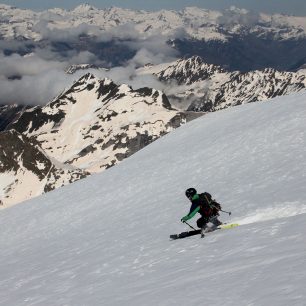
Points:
(104, 240)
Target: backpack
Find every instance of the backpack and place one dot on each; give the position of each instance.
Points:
(208, 206)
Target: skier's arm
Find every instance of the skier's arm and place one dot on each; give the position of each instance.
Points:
(191, 214)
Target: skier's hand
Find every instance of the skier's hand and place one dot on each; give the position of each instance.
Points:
(184, 219)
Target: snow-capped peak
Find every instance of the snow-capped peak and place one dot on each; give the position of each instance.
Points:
(84, 8)
(96, 123)
(187, 71)
(6, 7)
(197, 23)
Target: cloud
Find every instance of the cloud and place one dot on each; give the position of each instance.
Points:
(47, 31)
(153, 56)
(37, 77)
(234, 16)
(17, 65)
(84, 57)
(155, 44)
(67, 35)
(120, 33)
(34, 80)
(32, 89)
(42, 80)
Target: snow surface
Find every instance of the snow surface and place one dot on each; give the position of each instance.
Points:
(104, 240)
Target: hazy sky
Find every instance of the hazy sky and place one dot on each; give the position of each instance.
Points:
(292, 7)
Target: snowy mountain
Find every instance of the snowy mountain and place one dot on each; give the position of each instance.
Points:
(234, 38)
(74, 68)
(198, 23)
(26, 171)
(96, 123)
(104, 240)
(89, 127)
(209, 88)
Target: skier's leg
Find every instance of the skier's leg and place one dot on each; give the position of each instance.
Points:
(214, 220)
(202, 224)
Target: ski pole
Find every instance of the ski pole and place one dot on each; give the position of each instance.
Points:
(228, 212)
(190, 225)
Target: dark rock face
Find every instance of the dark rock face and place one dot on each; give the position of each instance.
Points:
(9, 113)
(16, 150)
(24, 160)
(35, 118)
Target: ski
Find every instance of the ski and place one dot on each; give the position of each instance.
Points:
(228, 226)
(185, 234)
(196, 232)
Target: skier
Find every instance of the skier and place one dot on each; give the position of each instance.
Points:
(204, 205)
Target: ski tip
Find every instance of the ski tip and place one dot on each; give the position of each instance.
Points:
(226, 226)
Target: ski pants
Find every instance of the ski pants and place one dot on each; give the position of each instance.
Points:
(202, 222)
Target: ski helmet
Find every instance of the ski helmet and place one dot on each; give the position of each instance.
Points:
(190, 192)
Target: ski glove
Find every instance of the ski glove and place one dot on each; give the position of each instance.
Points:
(184, 219)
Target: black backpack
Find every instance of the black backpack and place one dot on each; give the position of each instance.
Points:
(208, 206)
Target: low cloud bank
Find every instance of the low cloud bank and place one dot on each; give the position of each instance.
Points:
(235, 16)
(34, 73)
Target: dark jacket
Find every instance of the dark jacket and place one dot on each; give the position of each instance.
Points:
(202, 204)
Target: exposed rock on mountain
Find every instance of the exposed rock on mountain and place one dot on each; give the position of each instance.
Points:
(9, 113)
(211, 88)
(88, 128)
(188, 71)
(97, 123)
(26, 171)
(74, 68)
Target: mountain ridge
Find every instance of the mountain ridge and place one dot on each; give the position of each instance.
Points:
(96, 124)
(168, 19)
(234, 38)
(211, 87)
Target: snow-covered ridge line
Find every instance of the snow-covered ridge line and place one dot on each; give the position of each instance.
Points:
(210, 87)
(198, 23)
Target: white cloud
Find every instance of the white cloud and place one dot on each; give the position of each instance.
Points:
(16, 65)
(235, 16)
(41, 73)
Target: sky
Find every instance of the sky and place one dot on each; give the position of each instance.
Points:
(291, 7)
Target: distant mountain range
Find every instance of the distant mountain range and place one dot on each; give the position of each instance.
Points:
(235, 39)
